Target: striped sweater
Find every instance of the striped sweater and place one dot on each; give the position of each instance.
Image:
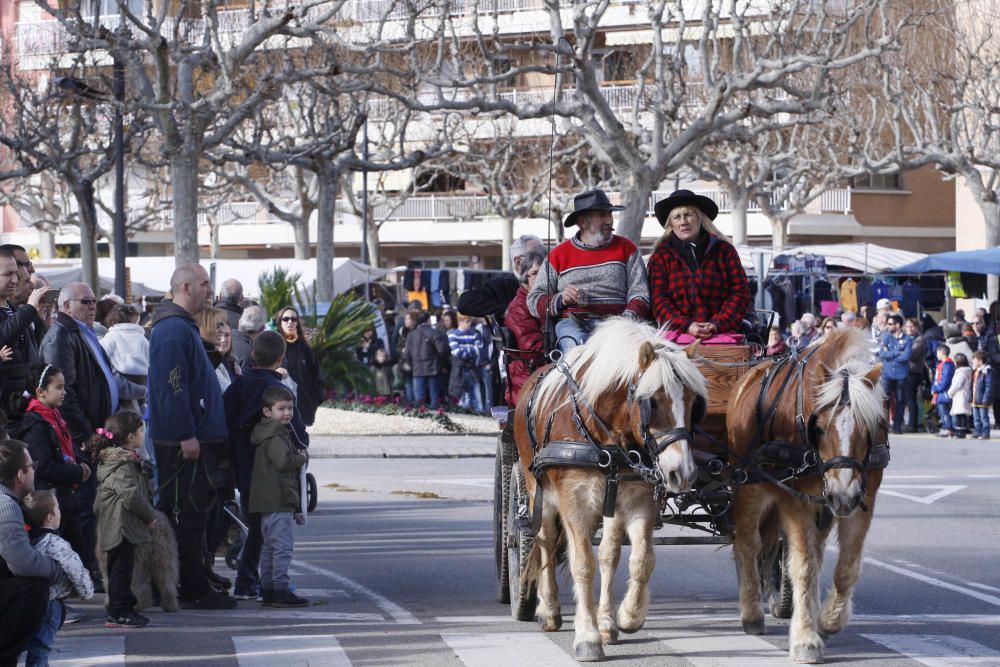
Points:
(612, 276)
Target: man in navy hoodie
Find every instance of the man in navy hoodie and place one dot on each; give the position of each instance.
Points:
(243, 410)
(185, 413)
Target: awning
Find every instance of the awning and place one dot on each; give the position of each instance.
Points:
(967, 261)
(864, 257)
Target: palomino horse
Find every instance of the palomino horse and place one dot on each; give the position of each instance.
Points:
(806, 434)
(624, 400)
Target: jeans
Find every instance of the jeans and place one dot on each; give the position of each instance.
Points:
(121, 560)
(895, 389)
(471, 398)
(422, 384)
(944, 412)
(192, 490)
(23, 603)
(408, 389)
(571, 332)
(247, 579)
(485, 376)
(981, 422)
(276, 552)
(43, 641)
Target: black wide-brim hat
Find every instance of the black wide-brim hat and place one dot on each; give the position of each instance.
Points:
(592, 200)
(684, 198)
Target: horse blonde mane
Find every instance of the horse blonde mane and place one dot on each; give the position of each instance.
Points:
(610, 360)
(850, 350)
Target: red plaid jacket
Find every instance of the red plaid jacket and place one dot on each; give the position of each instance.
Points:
(717, 292)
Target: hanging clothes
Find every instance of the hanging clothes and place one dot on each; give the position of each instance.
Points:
(954, 282)
(822, 291)
(931, 292)
(865, 293)
(417, 295)
(418, 280)
(880, 290)
(849, 295)
(434, 286)
(910, 298)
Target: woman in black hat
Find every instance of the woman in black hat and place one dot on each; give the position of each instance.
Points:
(696, 280)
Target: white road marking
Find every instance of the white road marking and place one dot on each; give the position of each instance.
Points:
(330, 617)
(985, 587)
(942, 491)
(728, 618)
(938, 650)
(397, 613)
(525, 649)
(721, 649)
(893, 477)
(933, 581)
(290, 651)
(984, 476)
(321, 592)
(472, 619)
(105, 651)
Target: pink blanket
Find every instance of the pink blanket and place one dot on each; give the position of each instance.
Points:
(682, 338)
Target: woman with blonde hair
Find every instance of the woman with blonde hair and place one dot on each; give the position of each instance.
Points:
(217, 337)
(697, 283)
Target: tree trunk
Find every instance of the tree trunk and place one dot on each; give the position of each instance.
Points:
(47, 244)
(778, 237)
(991, 218)
(214, 239)
(301, 229)
(84, 194)
(184, 174)
(328, 186)
(507, 240)
(374, 245)
(636, 192)
(739, 200)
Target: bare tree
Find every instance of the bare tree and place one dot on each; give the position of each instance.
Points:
(707, 66)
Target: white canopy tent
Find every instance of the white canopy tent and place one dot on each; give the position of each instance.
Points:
(863, 257)
(151, 275)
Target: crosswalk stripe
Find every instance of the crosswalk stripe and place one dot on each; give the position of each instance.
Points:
(342, 618)
(290, 651)
(938, 650)
(526, 649)
(721, 649)
(102, 651)
(400, 615)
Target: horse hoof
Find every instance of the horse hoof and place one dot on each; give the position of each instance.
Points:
(609, 637)
(551, 624)
(588, 652)
(809, 655)
(754, 627)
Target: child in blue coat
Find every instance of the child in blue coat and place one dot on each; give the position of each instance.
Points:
(942, 383)
(982, 395)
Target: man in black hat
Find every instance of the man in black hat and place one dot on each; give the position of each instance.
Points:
(592, 275)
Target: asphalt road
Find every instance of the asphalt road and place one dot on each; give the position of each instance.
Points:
(398, 560)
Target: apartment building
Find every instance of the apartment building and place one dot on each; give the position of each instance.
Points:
(454, 226)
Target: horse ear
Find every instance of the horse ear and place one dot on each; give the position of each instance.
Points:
(692, 350)
(874, 374)
(647, 355)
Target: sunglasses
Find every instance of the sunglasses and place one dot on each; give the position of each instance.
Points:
(86, 302)
(289, 319)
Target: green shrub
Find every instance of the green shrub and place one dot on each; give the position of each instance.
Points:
(277, 289)
(335, 341)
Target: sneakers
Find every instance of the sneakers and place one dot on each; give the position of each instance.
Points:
(73, 615)
(244, 594)
(130, 620)
(288, 599)
(210, 600)
(266, 597)
(943, 434)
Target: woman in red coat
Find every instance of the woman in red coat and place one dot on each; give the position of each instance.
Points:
(696, 280)
(528, 336)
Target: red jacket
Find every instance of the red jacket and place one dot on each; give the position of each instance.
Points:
(717, 292)
(529, 338)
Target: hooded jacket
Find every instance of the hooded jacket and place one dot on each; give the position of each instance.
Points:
(982, 387)
(127, 348)
(122, 506)
(242, 402)
(276, 463)
(184, 396)
(961, 391)
(52, 471)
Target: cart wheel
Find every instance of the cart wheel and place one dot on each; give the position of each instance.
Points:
(780, 583)
(523, 594)
(501, 485)
(312, 493)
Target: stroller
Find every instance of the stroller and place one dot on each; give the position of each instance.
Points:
(237, 529)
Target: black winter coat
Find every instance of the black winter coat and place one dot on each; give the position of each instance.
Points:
(302, 366)
(16, 332)
(426, 350)
(490, 299)
(51, 471)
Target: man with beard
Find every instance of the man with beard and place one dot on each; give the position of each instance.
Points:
(592, 275)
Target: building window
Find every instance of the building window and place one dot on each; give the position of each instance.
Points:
(438, 181)
(619, 66)
(892, 181)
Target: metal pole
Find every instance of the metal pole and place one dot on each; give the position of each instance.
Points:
(119, 151)
(364, 199)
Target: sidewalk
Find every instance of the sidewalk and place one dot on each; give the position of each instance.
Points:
(403, 446)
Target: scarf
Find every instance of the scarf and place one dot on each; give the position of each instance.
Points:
(52, 416)
(693, 253)
(292, 337)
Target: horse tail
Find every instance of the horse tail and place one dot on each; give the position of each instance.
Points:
(534, 565)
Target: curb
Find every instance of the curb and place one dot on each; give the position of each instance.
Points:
(327, 453)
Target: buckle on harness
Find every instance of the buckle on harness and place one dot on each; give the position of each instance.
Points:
(604, 453)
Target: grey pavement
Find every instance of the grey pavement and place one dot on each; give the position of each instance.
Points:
(422, 446)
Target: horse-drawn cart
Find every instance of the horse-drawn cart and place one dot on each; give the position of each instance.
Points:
(762, 463)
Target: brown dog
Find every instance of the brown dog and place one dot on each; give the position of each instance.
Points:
(155, 562)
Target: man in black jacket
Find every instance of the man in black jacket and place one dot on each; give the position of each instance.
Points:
(16, 328)
(425, 351)
(497, 293)
(231, 301)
